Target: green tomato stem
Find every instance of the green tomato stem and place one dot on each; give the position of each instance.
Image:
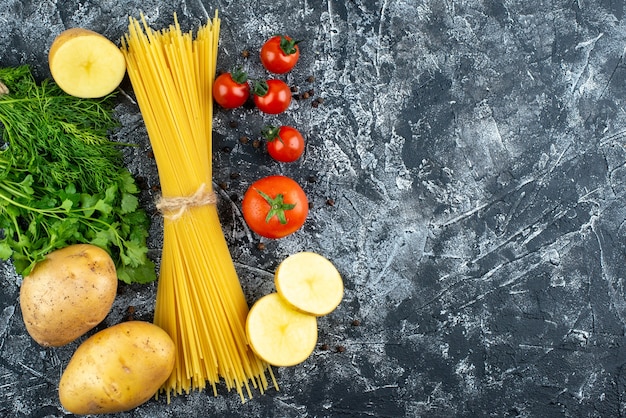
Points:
(272, 133)
(260, 88)
(288, 46)
(239, 76)
(277, 207)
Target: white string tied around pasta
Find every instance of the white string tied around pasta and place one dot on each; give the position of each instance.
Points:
(173, 208)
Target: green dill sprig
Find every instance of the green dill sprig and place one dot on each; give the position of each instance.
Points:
(55, 134)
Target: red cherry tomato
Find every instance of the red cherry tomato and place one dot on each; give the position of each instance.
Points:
(271, 96)
(231, 90)
(285, 143)
(275, 206)
(279, 54)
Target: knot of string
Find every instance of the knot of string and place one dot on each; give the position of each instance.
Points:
(173, 208)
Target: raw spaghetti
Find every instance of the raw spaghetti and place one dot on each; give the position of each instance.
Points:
(200, 302)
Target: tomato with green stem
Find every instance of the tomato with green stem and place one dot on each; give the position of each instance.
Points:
(271, 96)
(231, 90)
(279, 54)
(275, 206)
(284, 143)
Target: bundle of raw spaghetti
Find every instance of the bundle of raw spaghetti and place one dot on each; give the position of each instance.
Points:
(200, 302)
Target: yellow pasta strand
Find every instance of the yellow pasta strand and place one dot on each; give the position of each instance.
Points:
(199, 301)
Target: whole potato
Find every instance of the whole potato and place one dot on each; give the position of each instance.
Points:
(68, 293)
(117, 369)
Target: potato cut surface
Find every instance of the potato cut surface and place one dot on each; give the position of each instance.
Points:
(309, 282)
(86, 64)
(279, 334)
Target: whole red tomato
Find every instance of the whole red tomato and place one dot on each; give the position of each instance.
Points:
(271, 96)
(279, 54)
(285, 143)
(275, 206)
(231, 90)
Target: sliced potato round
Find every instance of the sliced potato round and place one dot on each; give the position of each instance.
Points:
(85, 63)
(278, 334)
(309, 282)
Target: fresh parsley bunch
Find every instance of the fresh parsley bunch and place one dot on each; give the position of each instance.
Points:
(62, 181)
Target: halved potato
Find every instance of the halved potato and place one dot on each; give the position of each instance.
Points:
(85, 63)
(279, 334)
(309, 282)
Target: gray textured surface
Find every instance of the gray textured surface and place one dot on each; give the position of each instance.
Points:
(475, 154)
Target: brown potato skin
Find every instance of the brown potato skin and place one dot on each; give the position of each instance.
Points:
(117, 369)
(67, 294)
